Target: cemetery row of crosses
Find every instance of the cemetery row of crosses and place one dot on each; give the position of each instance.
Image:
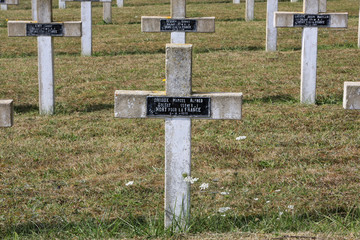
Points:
(177, 104)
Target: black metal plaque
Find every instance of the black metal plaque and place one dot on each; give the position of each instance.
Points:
(2, 1)
(178, 25)
(311, 20)
(178, 106)
(45, 29)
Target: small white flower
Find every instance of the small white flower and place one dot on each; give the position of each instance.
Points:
(204, 186)
(129, 183)
(256, 199)
(224, 209)
(281, 213)
(224, 193)
(290, 207)
(277, 190)
(191, 180)
(267, 201)
(223, 215)
(241, 138)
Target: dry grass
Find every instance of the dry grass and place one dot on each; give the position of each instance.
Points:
(60, 173)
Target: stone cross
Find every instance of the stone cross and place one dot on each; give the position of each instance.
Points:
(107, 13)
(4, 3)
(310, 20)
(120, 3)
(44, 29)
(6, 113)
(271, 30)
(178, 105)
(249, 10)
(86, 19)
(177, 23)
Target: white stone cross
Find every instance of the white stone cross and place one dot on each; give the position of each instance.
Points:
(86, 19)
(4, 3)
(310, 20)
(44, 29)
(178, 24)
(249, 10)
(107, 13)
(6, 113)
(177, 105)
(120, 3)
(271, 30)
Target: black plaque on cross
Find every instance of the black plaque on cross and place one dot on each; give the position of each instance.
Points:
(178, 106)
(45, 29)
(178, 25)
(2, 1)
(311, 20)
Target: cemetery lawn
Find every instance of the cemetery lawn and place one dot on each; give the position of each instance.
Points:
(69, 176)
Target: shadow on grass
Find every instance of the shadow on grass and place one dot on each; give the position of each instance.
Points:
(329, 99)
(282, 98)
(26, 108)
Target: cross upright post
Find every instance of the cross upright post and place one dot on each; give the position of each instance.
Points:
(177, 23)
(249, 10)
(120, 3)
(310, 20)
(178, 105)
(6, 113)
(86, 19)
(44, 29)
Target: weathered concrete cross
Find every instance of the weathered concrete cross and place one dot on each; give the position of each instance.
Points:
(178, 24)
(4, 3)
(6, 113)
(86, 19)
(177, 105)
(310, 20)
(271, 30)
(107, 11)
(44, 29)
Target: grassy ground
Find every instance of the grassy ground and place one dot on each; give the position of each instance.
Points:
(295, 176)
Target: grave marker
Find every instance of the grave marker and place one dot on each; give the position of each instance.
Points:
(310, 20)
(178, 105)
(44, 29)
(249, 10)
(271, 30)
(86, 19)
(6, 113)
(120, 3)
(351, 98)
(4, 3)
(178, 24)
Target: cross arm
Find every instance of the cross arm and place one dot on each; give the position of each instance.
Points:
(10, 2)
(203, 24)
(132, 104)
(286, 19)
(18, 28)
